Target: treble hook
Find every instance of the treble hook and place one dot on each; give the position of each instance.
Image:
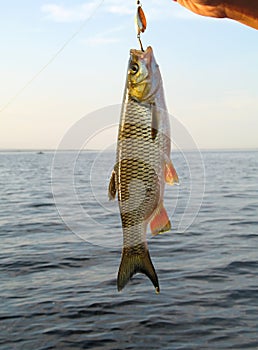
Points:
(141, 22)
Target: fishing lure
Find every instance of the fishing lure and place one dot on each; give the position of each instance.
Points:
(140, 19)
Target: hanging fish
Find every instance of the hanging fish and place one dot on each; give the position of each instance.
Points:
(143, 165)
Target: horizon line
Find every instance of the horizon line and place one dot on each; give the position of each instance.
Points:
(99, 149)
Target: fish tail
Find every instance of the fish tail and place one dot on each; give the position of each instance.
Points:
(136, 259)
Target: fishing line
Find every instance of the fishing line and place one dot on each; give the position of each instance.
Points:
(58, 52)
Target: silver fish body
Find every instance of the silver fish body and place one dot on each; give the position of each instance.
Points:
(143, 165)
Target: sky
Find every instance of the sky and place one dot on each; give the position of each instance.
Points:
(63, 60)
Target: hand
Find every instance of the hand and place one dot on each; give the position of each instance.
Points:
(211, 8)
(244, 11)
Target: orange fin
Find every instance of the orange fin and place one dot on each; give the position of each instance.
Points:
(171, 176)
(160, 223)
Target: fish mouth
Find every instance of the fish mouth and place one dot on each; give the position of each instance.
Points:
(141, 55)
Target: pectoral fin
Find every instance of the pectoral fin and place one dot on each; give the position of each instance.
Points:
(154, 122)
(171, 176)
(112, 186)
(160, 223)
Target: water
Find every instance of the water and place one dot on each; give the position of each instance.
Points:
(58, 287)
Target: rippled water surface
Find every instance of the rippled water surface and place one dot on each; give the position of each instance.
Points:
(58, 275)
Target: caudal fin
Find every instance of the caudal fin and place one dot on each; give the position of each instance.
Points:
(136, 259)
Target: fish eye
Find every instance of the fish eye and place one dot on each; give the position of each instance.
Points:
(134, 68)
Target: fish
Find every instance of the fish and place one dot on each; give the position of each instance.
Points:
(143, 165)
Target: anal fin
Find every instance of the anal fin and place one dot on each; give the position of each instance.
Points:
(160, 223)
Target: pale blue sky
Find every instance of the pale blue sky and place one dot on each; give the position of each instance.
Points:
(209, 69)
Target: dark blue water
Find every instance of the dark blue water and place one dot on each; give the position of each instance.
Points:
(59, 258)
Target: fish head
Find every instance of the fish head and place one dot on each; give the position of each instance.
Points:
(144, 77)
